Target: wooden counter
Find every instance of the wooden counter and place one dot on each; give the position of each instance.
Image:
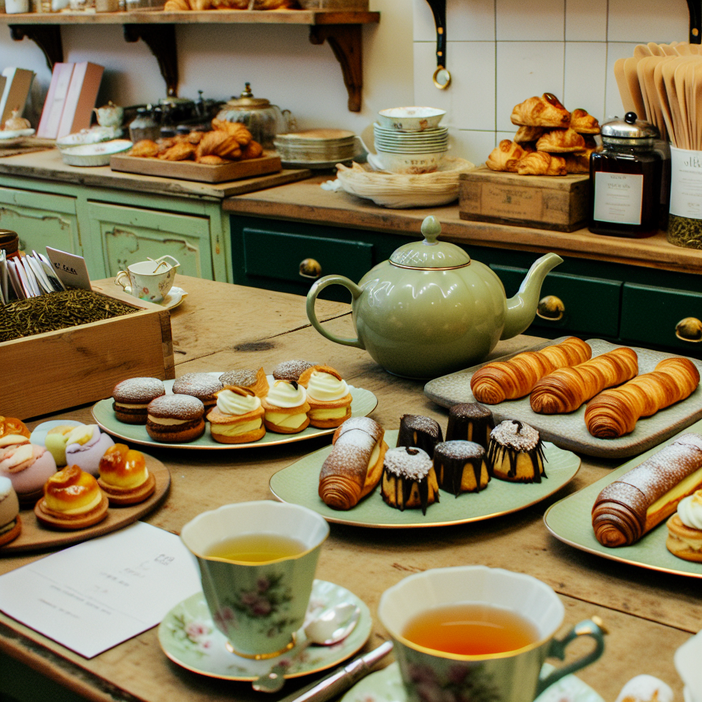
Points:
(306, 201)
(221, 327)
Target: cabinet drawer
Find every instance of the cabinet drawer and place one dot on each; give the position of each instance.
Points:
(277, 256)
(649, 316)
(592, 305)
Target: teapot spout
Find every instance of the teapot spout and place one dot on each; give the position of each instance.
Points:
(521, 309)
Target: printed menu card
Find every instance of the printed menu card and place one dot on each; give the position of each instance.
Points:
(99, 593)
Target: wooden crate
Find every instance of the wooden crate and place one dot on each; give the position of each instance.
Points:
(544, 202)
(60, 369)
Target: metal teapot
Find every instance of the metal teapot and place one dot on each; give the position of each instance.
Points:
(431, 310)
(262, 119)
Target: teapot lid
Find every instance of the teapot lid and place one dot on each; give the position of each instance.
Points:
(430, 253)
(247, 99)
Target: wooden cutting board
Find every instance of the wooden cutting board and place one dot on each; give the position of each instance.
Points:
(189, 170)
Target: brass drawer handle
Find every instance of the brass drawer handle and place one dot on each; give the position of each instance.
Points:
(689, 329)
(309, 268)
(550, 308)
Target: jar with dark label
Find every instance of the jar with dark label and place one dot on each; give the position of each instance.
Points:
(625, 179)
(9, 243)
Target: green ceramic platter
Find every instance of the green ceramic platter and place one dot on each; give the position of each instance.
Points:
(569, 520)
(298, 484)
(362, 404)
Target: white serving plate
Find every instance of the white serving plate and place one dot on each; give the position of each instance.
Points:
(11, 137)
(94, 154)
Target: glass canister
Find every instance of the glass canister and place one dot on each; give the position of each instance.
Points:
(262, 119)
(625, 179)
(144, 126)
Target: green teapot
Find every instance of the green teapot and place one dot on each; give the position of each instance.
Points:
(431, 310)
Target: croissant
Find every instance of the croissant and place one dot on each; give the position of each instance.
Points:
(614, 412)
(577, 163)
(583, 122)
(235, 129)
(566, 389)
(509, 380)
(541, 163)
(648, 493)
(527, 134)
(504, 156)
(218, 143)
(560, 141)
(544, 111)
(355, 465)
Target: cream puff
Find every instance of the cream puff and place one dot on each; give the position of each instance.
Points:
(131, 397)
(124, 477)
(286, 407)
(27, 465)
(685, 529)
(201, 385)
(238, 417)
(10, 521)
(56, 440)
(255, 380)
(175, 419)
(72, 500)
(85, 446)
(328, 396)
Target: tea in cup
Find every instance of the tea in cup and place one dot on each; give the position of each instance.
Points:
(149, 280)
(257, 563)
(485, 631)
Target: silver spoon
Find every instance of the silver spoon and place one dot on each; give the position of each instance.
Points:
(330, 627)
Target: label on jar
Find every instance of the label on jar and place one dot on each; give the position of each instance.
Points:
(686, 183)
(618, 198)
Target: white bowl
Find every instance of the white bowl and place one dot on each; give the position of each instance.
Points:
(86, 136)
(94, 154)
(409, 164)
(411, 119)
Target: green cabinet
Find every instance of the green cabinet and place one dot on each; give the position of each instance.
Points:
(623, 304)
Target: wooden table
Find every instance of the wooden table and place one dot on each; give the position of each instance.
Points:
(222, 327)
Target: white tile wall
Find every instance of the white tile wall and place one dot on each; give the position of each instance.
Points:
(528, 47)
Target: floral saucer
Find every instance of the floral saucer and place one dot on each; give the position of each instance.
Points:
(386, 686)
(190, 639)
(174, 298)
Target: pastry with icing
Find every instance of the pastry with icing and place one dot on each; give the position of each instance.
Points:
(516, 453)
(10, 521)
(131, 397)
(409, 479)
(27, 465)
(72, 500)
(175, 419)
(286, 408)
(201, 385)
(255, 380)
(85, 447)
(420, 431)
(470, 421)
(237, 417)
(461, 466)
(685, 529)
(124, 477)
(328, 396)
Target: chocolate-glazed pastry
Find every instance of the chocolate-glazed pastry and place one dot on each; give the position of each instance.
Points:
(470, 421)
(422, 432)
(409, 479)
(461, 466)
(516, 453)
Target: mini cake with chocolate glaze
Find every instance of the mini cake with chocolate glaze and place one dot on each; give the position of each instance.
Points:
(72, 500)
(27, 465)
(461, 466)
(685, 529)
(422, 432)
(201, 385)
(409, 480)
(124, 477)
(175, 419)
(516, 453)
(470, 421)
(254, 380)
(131, 397)
(10, 521)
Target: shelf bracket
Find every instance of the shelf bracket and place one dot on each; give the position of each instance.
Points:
(46, 37)
(695, 8)
(161, 40)
(345, 41)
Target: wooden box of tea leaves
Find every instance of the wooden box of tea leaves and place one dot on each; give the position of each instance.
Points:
(50, 371)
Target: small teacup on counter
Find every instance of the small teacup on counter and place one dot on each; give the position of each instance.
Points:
(257, 564)
(486, 630)
(149, 280)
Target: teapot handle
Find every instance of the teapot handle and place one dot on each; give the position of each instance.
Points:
(317, 288)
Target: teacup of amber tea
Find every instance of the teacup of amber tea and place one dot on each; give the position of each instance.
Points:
(479, 633)
(257, 562)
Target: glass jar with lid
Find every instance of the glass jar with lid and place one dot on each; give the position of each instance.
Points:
(144, 126)
(625, 179)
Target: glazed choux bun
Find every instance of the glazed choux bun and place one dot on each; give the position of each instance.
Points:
(72, 500)
(124, 477)
(12, 425)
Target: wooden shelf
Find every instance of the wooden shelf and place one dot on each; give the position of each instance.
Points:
(342, 30)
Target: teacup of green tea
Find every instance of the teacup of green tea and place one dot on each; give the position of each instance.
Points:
(257, 563)
(481, 633)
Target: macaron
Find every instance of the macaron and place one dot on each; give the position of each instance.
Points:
(201, 385)
(85, 447)
(56, 440)
(131, 397)
(28, 466)
(10, 522)
(175, 419)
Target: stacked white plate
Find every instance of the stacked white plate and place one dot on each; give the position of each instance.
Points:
(401, 142)
(316, 148)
